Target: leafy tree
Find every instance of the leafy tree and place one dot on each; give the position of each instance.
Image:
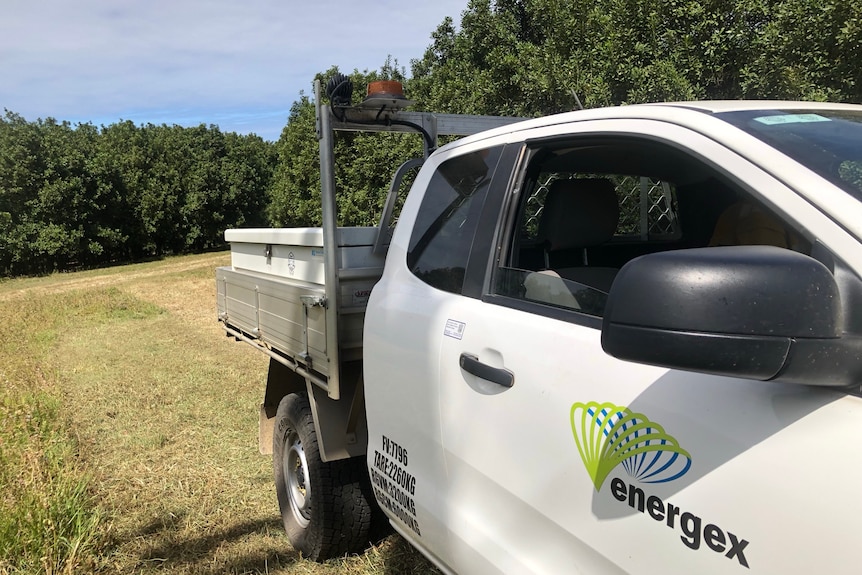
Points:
(531, 57)
(20, 180)
(364, 166)
(128, 161)
(73, 196)
(226, 185)
(294, 194)
(57, 203)
(202, 187)
(515, 57)
(246, 172)
(807, 50)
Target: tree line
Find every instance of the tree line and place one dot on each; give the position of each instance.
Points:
(536, 57)
(81, 196)
(530, 57)
(74, 196)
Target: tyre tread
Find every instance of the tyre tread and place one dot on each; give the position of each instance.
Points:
(341, 510)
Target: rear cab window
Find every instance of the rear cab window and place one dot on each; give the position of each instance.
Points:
(442, 238)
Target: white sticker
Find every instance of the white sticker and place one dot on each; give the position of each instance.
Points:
(791, 119)
(291, 263)
(454, 329)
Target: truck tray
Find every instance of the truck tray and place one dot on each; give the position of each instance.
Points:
(273, 295)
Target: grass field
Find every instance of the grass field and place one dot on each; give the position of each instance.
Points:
(128, 433)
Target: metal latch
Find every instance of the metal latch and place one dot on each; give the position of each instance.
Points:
(312, 301)
(309, 301)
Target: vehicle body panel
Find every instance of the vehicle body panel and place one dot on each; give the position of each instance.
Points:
(512, 489)
(502, 438)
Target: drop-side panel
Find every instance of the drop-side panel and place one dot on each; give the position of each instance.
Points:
(271, 311)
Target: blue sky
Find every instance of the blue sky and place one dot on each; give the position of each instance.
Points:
(236, 63)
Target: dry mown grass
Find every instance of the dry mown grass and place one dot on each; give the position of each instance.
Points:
(155, 411)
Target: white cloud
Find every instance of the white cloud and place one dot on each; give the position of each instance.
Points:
(191, 61)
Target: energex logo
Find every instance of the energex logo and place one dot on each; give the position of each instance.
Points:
(609, 435)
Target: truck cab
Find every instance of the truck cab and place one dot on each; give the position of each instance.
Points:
(619, 341)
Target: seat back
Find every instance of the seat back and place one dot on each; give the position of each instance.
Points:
(578, 214)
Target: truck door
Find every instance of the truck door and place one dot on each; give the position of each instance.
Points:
(402, 339)
(561, 459)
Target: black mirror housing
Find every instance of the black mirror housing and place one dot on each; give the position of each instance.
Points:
(756, 312)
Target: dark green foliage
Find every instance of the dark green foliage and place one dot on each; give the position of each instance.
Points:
(294, 198)
(80, 196)
(364, 163)
(531, 57)
(808, 50)
(537, 57)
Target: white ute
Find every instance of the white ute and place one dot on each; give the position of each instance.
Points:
(623, 340)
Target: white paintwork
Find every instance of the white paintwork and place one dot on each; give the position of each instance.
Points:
(499, 484)
(297, 253)
(300, 236)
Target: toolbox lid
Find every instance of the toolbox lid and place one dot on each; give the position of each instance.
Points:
(352, 236)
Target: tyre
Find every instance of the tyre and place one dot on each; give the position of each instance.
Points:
(326, 507)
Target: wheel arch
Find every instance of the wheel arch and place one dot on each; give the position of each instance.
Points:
(341, 426)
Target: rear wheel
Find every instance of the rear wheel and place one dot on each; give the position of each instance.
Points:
(326, 507)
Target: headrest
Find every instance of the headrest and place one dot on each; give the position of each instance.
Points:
(579, 213)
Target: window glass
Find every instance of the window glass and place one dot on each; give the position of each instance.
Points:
(446, 224)
(828, 142)
(556, 268)
(591, 205)
(549, 288)
(552, 265)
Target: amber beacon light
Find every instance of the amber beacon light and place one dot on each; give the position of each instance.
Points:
(385, 94)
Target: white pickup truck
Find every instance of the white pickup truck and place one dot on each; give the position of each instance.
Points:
(622, 340)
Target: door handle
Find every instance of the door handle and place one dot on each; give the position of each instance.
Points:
(500, 376)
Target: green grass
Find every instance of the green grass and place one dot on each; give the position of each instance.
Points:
(49, 522)
(128, 433)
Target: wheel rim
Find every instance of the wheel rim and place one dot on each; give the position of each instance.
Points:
(295, 469)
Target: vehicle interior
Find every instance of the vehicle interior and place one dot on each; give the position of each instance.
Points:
(591, 207)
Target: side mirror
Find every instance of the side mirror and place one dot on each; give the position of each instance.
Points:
(754, 312)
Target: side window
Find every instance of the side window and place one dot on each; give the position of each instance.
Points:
(589, 206)
(443, 233)
(564, 214)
